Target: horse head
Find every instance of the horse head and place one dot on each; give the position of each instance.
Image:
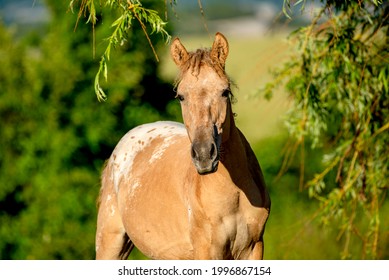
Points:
(203, 90)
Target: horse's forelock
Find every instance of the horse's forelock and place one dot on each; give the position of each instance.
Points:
(196, 60)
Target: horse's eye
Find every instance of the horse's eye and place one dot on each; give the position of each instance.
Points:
(226, 93)
(180, 97)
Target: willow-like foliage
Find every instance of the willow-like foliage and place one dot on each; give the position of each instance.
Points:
(338, 78)
(127, 12)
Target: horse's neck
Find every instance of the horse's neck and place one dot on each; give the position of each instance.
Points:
(233, 149)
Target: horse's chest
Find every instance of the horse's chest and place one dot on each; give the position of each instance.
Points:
(229, 221)
(241, 230)
(245, 224)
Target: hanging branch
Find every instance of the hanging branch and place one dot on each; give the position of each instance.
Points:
(339, 83)
(128, 10)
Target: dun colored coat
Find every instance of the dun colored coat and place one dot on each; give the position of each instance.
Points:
(192, 191)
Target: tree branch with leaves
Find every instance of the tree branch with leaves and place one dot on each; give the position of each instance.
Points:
(339, 81)
(128, 11)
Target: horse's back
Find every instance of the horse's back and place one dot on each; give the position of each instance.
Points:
(155, 136)
(144, 166)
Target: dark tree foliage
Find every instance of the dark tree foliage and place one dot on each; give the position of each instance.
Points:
(55, 135)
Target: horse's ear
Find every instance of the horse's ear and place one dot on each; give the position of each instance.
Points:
(178, 52)
(219, 50)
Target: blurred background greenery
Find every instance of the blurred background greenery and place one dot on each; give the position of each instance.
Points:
(55, 135)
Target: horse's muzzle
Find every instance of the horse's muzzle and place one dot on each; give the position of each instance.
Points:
(205, 156)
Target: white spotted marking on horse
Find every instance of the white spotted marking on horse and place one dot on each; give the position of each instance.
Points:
(137, 139)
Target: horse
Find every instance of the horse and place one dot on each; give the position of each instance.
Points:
(186, 191)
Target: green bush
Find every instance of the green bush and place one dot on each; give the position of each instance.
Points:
(55, 135)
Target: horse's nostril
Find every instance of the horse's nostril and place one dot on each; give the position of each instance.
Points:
(212, 151)
(194, 154)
